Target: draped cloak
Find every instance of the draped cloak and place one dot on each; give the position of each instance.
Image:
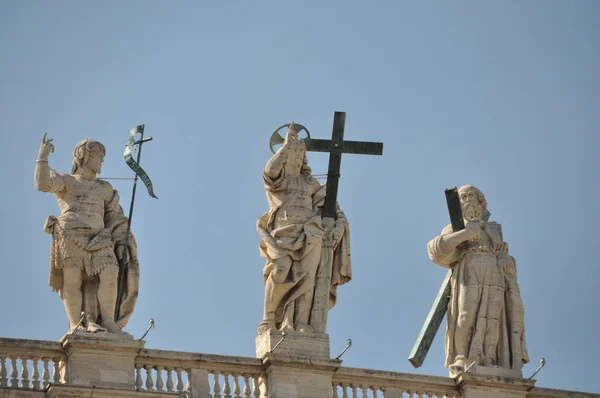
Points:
(511, 350)
(297, 241)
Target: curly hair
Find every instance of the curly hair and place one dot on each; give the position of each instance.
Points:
(82, 151)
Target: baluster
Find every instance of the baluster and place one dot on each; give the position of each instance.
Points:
(344, 390)
(138, 377)
(265, 382)
(256, 385)
(364, 390)
(217, 386)
(14, 376)
(226, 387)
(56, 370)
(159, 380)
(169, 379)
(3, 379)
(409, 393)
(353, 391)
(376, 390)
(179, 380)
(188, 388)
(35, 382)
(236, 386)
(372, 388)
(45, 373)
(24, 373)
(246, 386)
(335, 394)
(149, 381)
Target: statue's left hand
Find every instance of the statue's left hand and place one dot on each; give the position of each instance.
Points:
(119, 251)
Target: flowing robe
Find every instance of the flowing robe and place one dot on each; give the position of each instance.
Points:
(484, 294)
(293, 228)
(84, 236)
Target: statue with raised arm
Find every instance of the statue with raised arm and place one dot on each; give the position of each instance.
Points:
(485, 312)
(293, 241)
(88, 241)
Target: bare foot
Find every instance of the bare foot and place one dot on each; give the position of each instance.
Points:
(94, 327)
(111, 327)
(303, 327)
(79, 328)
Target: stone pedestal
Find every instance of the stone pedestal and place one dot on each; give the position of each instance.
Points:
(500, 385)
(100, 361)
(299, 366)
(299, 376)
(294, 343)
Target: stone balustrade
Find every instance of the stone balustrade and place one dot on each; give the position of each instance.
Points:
(30, 364)
(366, 383)
(29, 368)
(204, 375)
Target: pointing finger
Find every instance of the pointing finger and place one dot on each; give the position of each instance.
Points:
(44, 138)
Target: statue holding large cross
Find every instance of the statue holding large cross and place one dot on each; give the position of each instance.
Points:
(304, 235)
(480, 294)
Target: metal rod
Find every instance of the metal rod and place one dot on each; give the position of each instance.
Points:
(126, 243)
(142, 140)
(471, 365)
(542, 364)
(78, 323)
(283, 336)
(150, 326)
(348, 345)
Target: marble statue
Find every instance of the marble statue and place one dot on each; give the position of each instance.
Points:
(295, 240)
(485, 312)
(88, 241)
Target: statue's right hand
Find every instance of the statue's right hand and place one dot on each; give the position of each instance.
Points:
(473, 229)
(291, 138)
(46, 147)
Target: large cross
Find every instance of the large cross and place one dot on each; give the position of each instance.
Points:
(336, 146)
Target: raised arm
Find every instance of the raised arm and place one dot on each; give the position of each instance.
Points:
(277, 161)
(42, 179)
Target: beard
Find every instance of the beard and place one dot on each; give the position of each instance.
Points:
(472, 212)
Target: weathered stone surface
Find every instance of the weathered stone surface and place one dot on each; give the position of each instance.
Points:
(296, 244)
(100, 361)
(485, 312)
(295, 343)
(88, 240)
(473, 385)
(299, 376)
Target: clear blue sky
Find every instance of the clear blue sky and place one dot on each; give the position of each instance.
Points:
(500, 94)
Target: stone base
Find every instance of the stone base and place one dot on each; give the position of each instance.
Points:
(68, 391)
(94, 335)
(295, 343)
(100, 361)
(479, 385)
(496, 371)
(299, 376)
